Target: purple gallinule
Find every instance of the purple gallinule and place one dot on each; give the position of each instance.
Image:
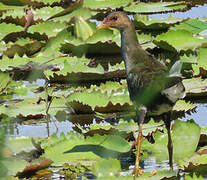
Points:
(152, 89)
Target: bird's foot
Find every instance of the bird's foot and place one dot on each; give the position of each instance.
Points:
(137, 172)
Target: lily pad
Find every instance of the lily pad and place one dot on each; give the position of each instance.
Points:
(139, 7)
(185, 135)
(177, 40)
(155, 24)
(195, 86)
(106, 167)
(50, 28)
(9, 28)
(73, 148)
(102, 4)
(194, 26)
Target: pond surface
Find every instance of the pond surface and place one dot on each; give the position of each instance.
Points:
(195, 12)
(42, 130)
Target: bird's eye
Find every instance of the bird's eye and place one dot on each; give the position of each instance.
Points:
(114, 18)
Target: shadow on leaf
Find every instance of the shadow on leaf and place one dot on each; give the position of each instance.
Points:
(96, 149)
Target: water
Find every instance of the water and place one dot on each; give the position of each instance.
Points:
(195, 12)
(42, 130)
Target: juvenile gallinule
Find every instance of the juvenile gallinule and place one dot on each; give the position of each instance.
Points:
(151, 88)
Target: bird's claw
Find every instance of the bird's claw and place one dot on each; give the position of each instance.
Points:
(137, 172)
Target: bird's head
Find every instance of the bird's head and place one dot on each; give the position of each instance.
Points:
(118, 20)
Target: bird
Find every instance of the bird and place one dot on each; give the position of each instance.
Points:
(153, 88)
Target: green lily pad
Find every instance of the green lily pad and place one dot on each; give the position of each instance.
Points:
(178, 40)
(182, 105)
(139, 7)
(155, 24)
(194, 26)
(106, 167)
(45, 12)
(73, 148)
(5, 80)
(185, 137)
(100, 99)
(9, 28)
(202, 52)
(50, 28)
(85, 13)
(102, 4)
(195, 86)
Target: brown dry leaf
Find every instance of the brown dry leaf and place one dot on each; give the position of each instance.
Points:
(31, 169)
(29, 19)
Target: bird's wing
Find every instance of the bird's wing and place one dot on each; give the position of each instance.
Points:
(150, 79)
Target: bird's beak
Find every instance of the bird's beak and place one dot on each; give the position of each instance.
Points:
(102, 26)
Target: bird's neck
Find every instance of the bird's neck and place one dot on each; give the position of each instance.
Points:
(130, 46)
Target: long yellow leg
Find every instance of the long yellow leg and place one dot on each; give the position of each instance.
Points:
(142, 113)
(139, 143)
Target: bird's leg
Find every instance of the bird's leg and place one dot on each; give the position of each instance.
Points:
(167, 121)
(142, 114)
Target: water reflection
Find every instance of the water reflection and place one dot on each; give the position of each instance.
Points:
(40, 130)
(195, 12)
(200, 116)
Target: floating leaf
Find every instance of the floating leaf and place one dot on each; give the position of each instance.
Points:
(185, 137)
(156, 24)
(85, 13)
(178, 40)
(139, 7)
(9, 28)
(48, 2)
(4, 81)
(194, 26)
(202, 53)
(74, 149)
(100, 99)
(45, 12)
(50, 28)
(7, 6)
(82, 29)
(73, 65)
(97, 4)
(32, 107)
(106, 167)
(182, 105)
(188, 59)
(195, 86)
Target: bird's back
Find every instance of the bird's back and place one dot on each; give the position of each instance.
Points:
(150, 85)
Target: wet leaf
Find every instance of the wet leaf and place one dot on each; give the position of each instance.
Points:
(106, 167)
(182, 105)
(9, 28)
(149, 7)
(82, 29)
(195, 86)
(45, 12)
(96, 4)
(178, 40)
(156, 24)
(194, 26)
(73, 148)
(4, 81)
(85, 13)
(202, 52)
(50, 28)
(185, 135)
